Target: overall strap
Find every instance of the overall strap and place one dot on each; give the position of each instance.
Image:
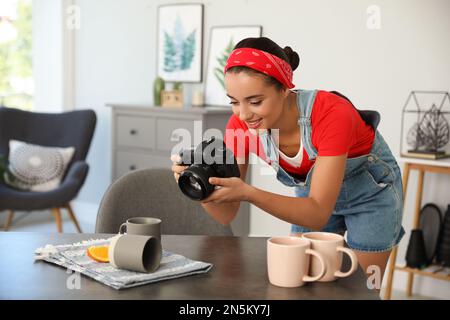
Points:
(305, 102)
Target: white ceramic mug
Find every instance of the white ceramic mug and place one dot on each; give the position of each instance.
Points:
(288, 261)
(331, 246)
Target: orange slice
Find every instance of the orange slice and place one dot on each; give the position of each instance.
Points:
(99, 254)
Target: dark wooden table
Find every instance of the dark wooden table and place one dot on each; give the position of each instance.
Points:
(239, 272)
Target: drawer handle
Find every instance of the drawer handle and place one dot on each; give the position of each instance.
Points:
(133, 132)
(132, 168)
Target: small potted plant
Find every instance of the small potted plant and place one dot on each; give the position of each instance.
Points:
(158, 87)
(173, 98)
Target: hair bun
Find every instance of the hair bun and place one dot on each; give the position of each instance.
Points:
(293, 57)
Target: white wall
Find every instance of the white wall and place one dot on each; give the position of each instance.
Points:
(115, 62)
(48, 55)
(52, 55)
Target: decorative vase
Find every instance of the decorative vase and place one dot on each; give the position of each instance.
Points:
(197, 99)
(416, 256)
(158, 86)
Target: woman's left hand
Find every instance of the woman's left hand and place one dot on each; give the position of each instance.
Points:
(231, 190)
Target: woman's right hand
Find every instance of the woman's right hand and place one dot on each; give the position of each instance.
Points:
(177, 168)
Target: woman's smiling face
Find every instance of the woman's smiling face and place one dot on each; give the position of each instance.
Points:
(253, 100)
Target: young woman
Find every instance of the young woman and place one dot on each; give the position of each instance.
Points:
(344, 175)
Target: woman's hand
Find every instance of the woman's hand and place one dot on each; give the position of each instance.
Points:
(230, 190)
(177, 169)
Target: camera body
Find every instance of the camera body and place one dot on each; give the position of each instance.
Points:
(211, 158)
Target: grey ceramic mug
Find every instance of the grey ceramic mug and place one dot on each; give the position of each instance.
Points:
(142, 226)
(135, 252)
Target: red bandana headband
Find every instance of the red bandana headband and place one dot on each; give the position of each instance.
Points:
(263, 62)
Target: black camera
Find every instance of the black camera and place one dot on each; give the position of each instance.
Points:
(211, 158)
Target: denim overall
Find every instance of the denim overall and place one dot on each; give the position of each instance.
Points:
(369, 206)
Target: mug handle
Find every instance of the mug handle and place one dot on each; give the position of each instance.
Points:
(354, 260)
(123, 228)
(316, 254)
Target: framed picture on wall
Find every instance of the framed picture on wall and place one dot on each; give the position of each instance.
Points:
(221, 44)
(180, 42)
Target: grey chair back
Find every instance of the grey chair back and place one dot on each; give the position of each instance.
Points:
(155, 193)
(74, 128)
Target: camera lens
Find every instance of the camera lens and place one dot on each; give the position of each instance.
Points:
(193, 182)
(216, 161)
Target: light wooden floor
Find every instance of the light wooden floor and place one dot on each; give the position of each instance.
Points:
(401, 295)
(44, 222)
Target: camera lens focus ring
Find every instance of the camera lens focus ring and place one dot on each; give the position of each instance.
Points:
(193, 182)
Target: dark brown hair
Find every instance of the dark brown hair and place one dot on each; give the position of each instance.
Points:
(267, 45)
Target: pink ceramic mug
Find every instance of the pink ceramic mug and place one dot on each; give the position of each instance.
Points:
(288, 261)
(331, 246)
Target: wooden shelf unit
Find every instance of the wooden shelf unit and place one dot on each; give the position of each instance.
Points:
(422, 166)
(423, 273)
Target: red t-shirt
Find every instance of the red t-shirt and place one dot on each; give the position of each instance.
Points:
(337, 128)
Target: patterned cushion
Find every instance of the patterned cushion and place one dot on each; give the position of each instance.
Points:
(36, 168)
